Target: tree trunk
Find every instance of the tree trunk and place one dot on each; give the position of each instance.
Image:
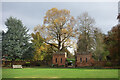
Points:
(12, 62)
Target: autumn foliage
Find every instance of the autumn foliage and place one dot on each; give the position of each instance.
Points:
(58, 28)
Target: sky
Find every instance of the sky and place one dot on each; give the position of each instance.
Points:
(32, 13)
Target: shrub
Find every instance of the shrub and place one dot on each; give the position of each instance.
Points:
(56, 65)
(61, 66)
(52, 65)
(108, 64)
(37, 64)
(27, 64)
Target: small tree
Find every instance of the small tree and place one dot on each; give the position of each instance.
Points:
(39, 46)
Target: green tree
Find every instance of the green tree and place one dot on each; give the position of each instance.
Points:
(85, 26)
(28, 55)
(100, 51)
(49, 53)
(90, 38)
(113, 42)
(15, 41)
(39, 46)
(1, 53)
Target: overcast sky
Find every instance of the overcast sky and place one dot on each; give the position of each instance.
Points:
(32, 13)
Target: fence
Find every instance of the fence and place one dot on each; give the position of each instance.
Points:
(25, 63)
(43, 63)
(106, 63)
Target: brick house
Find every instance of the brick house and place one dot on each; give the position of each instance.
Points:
(59, 58)
(83, 60)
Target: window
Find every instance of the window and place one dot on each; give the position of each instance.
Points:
(61, 60)
(86, 59)
(80, 59)
(56, 60)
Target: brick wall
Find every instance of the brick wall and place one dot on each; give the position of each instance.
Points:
(32, 63)
(59, 59)
(83, 60)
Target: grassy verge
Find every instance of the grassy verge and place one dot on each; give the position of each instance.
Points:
(58, 73)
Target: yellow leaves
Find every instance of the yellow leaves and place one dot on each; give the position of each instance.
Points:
(65, 11)
(39, 46)
(55, 15)
(69, 28)
(35, 28)
(64, 31)
(72, 18)
(45, 21)
(40, 52)
(32, 35)
(42, 48)
(68, 42)
(45, 16)
(56, 21)
(49, 38)
(51, 12)
(62, 19)
(54, 9)
(48, 26)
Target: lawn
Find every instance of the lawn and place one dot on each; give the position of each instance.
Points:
(55, 73)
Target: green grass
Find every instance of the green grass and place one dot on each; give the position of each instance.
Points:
(59, 73)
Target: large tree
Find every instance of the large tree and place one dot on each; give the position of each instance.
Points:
(113, 42)
(58, 28)
(100, 48)
(85, 26)
(15, 41)
(1, 53)
(90, 39)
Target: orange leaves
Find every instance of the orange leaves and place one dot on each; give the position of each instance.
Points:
(65, 11)
(35, 28)
(56, 16)
(45, 21)
(54, 9)
(56, 21)
(49, 38)
(72, 18)
(58, 26)
(64, 31)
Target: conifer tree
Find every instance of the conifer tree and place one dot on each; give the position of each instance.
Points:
(15, 41)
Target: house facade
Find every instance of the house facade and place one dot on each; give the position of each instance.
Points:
(59, 59)
(83, 60)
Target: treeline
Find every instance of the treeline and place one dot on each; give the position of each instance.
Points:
(59, 32)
